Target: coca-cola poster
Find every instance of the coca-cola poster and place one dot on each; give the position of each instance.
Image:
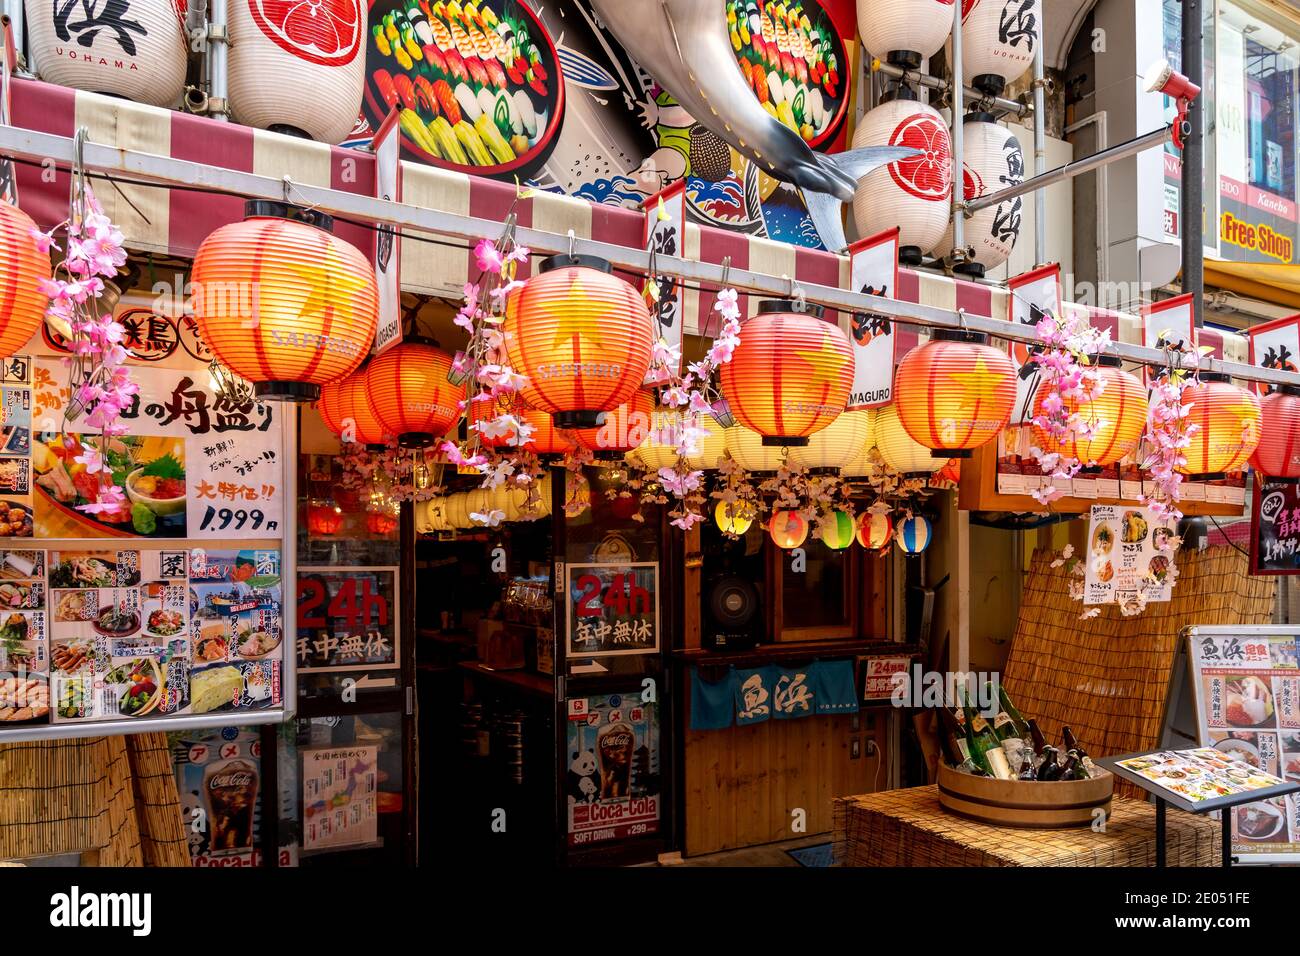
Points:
(612, 773)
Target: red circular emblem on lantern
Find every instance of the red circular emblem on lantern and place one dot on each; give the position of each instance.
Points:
(327, 32)
(929, 174)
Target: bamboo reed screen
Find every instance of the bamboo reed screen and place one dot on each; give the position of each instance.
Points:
(112, 798)
(1107, 677)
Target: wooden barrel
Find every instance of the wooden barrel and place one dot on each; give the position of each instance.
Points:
(1017, 803)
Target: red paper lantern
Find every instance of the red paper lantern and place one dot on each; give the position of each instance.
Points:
(874, 530)
(1228, 420)
(22, 304)
(788, 529)
(622, 429)
(282, 302)
(582, 336)
(379, 523)
(546, 439)
(324, 520)
(955, 392)
(1278, 452)
(486, 410)
(348, 410)
(1121, 410)
(791, 374)
(412, 396)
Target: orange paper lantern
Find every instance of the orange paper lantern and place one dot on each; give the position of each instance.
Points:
(1278, 452)
(412, 396)
(1228, 420)
(582, 336)
(788, 529)
(622, 429)
(791, 374)
(955, 392)
(546, 439)
(348, 411)
(22, 304)
(324, 520)
(282, 302)
(1120, 411)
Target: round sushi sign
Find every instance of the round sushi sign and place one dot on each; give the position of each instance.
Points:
(477, 87)
(327, 32)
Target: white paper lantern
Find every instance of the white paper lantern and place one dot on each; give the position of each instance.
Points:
(904, 32)
(914, 194)
(298, 68)
(747, 448)
(838, 444)
(435, 510)
(997, 41)
(138, 51)
(901, 452)
(458, 510)
(992, 160)
(711, 446)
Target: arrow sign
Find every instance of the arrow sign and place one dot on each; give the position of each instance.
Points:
(368, 681)
(591, 667)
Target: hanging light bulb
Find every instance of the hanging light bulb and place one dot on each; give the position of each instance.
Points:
(421, 476)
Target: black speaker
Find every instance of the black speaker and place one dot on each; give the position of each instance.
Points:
(733, 614)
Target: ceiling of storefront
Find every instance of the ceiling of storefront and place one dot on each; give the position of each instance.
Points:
(1062, 19)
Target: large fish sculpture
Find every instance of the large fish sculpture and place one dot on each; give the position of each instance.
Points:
(685, 46)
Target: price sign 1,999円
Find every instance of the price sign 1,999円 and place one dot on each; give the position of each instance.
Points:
(612, 608)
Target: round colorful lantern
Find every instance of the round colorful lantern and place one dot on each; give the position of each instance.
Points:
(837, 531)
(282, 302)
(900, 452)
(298, 69)
(381, 523)
(412, 396)
(753, 454)
(904, 32)
(485, 410)
(1278, 452)
(955, 392)
(348, 411)
(913, 534)
(734, 517)
(864, 464)
(1120, 411)
(838, 444)
(137, 49)
(324, 519)
(914, 194)
(992, 160)
(791, 374)
(997, 41)
(788, 529)
(22, 304)
(621, 430)
(546, 439)
(1229, 420)
(583, 337)
(874, 530)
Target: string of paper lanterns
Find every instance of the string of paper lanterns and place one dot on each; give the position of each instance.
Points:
(1278, 453)
(1228, 420)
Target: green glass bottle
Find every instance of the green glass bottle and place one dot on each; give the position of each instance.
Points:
(982, 742)
(1017, 721)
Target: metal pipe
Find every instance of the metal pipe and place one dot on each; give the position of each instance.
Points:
(997, 104)
(1040, 152)
(1193, 170)
(958, 101)
(1106, 156)
(36, 146)
(218, 40)
(1098, 119)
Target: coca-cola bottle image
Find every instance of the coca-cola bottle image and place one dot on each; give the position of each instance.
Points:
(615, 744)
(231, 790)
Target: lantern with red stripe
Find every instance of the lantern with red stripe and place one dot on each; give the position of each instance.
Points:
(874, 530)
(914, 194)
(955, 392)
(347, 410)
(1119, 414)
(997, 41)
(282, 302)
(791, 374)
(1278, 452)
(412, 396)
(1228, 419)
(788, 529)
(582, 336)
(324, 519)
(22, 304)
(905, 32)
(620, 430)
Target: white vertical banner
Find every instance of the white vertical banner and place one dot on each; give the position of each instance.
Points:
(388, 242)
(1276, 345)
(1030, 295)
(873, 270)
(669, 234)
(1169, 322)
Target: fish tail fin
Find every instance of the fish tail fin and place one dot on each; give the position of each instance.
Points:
(824, 211)
(846, 169)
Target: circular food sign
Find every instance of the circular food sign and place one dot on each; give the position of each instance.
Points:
(478, 87)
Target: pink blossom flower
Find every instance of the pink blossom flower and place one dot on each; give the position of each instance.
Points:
(488, 256)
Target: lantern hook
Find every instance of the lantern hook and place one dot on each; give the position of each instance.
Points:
(797, 294)
(726, 271)
(573, 241)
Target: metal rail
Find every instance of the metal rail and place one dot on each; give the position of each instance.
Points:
(167, 171)
(998, 104)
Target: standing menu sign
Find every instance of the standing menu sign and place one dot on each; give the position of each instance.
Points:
(613, 778)
(1275, 527)
(1246, 682)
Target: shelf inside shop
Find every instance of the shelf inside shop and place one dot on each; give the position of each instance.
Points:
(536, 684)
(793, 651)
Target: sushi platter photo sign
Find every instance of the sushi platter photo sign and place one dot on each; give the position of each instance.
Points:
(873, 270)
(1246, 682)
(1130, 557)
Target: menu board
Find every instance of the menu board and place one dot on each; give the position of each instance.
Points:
(612, 778)
(1275, 528)
(1247, 687)
(1202, 774)
(1128, 556)
(340, 797)
(125, 634)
